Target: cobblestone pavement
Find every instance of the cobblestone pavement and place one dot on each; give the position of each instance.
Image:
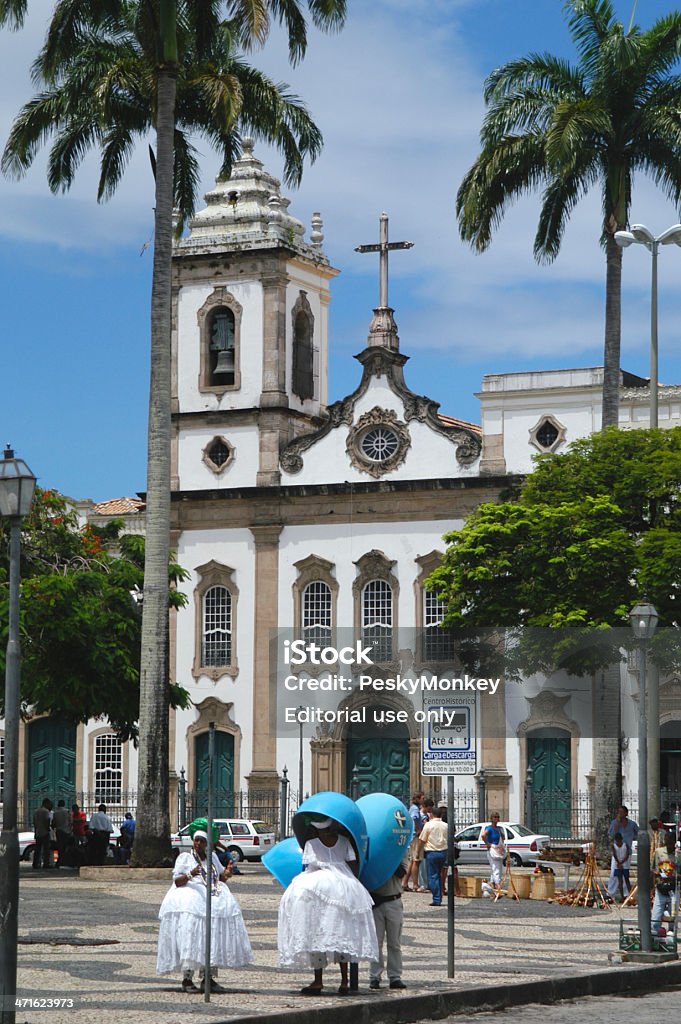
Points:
(660, 1006)
(496, 944)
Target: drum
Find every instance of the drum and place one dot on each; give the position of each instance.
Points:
(390, 829)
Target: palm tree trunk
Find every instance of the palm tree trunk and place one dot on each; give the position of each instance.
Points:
(613, 317)
(607, 754)
(152, 833)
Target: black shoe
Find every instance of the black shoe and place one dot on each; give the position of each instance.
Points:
(374, 983)
(214, 986)
(189, 986)
(434, 904)
(397, 984)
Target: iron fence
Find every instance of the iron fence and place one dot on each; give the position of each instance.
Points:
(88, 803)
(559, 814)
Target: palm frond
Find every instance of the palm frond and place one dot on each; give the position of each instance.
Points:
(537, 71)
(117, 147)
(12, 13)
(499, 175)
(187, 179)
(69, 149)
(559, 200)
(577, 128)
(589, 23)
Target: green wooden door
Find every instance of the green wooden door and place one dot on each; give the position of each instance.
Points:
(382, 760)
(548, 754)
(223, 775)
(51, 765)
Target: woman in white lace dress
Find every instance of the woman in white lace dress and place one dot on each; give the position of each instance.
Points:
(326, 912)
(181, 938)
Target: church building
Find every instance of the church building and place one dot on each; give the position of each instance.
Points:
(306, 522)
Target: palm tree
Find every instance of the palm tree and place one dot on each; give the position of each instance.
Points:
(114, 68)
(563, 128)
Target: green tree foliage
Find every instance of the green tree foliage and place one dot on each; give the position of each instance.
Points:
(97, 72)
(80, 627)
(589, 533)
(563, 129)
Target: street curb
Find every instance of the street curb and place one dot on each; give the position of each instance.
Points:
(438, 1005)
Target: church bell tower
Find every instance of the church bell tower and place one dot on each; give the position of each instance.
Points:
(250, 333)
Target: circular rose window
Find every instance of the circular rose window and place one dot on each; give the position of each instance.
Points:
(379, 444)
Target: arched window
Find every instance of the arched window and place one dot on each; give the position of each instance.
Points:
(221, 333)
(302, 382)
(216, 639)
(316, 613)
(219, 322)
(377, 619)
(108, 769)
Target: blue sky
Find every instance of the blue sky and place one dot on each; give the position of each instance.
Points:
(398, 96)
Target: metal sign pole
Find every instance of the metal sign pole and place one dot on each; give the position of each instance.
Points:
(451, 862)
(209, 864)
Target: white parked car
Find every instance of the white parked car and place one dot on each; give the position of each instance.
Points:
(27, 844)
(243, 838)
(524, 845)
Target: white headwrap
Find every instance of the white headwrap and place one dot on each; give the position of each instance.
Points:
(322, 823)
(200, 834)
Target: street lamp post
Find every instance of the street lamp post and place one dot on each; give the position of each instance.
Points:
(643, 622)
(17, 484)
(640, 235)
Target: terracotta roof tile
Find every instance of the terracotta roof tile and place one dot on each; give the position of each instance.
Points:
(119, 507)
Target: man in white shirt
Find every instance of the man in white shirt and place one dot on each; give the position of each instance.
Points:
(100, 829)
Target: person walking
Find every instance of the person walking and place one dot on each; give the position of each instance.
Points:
(181, 937)
(388, 914)
(413, 865)
(42, 826)
(493, 839)
(433, 846)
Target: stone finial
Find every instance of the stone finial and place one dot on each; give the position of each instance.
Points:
(316, 234)
(247, 145)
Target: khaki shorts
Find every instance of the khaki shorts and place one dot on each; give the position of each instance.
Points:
(414, 849)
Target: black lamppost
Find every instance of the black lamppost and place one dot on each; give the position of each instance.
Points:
(17, 484)
(643, 622)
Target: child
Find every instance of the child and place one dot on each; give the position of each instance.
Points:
(326, 911)
(620, 862)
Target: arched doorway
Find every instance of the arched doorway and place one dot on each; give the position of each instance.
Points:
(381, 756)
(223, 775)
(51, 762)
(548, 755)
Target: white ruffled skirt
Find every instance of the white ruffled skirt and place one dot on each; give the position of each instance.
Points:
(181, 937)
(326, 911)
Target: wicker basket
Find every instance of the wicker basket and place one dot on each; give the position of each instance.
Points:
(522, 886)
(543, 887)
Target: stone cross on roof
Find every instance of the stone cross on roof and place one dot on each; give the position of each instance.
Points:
(383, 329)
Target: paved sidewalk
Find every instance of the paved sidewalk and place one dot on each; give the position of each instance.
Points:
(95, 942)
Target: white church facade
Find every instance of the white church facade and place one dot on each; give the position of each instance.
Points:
(297, 519)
